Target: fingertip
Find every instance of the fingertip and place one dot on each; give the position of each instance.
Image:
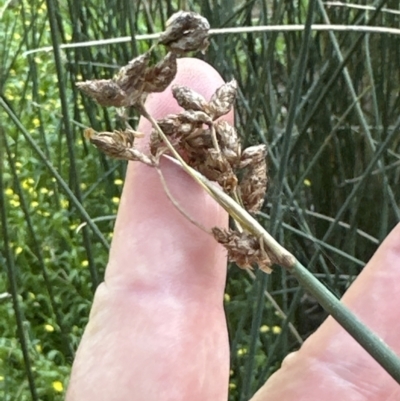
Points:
(146, 212)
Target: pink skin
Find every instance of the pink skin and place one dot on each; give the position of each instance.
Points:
(157, 329)
(331, 365)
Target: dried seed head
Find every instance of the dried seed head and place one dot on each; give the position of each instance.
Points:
(216, 168)
(222, 100)
(187, 124)
(157, 78)
(254, 182)
(133, 82)
(106, 92)
(197, 118)
(131, 79)
(188, 99)
(244, 249)
(197, 141)
(125, 90)
(132, 73)
(171, 126)
(118, 144)
(185, 32)
(229, 142)
(253, 155)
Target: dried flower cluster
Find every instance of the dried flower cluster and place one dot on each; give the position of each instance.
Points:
(207, 144)
(212, 146)
(244, 249)
(133, 82)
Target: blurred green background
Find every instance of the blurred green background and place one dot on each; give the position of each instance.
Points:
(334, 160)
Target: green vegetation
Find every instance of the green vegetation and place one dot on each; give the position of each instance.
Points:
(330, 205)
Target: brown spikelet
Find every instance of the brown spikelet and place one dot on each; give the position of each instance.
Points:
(124, 90)
(195, 117)
(198, 141)
(118, 144)
(157, 78)
(188, 99)
(216, 168)
(105, 92)
(185, 32)
(244, 249)
(131, 75)
(131, 79)
(223, 99)
(186, 126)
(229, 142)
(254, 182)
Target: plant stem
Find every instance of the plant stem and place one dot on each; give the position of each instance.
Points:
(372, 343)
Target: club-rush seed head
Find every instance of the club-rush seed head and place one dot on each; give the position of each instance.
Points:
(119, 145)
(223, 100)
(229, 142)
(253, 185)
(106, 92)
(188, 99)
(133, 82)
(216, 168)
(186, 31)
(157, 78)
(244, 249)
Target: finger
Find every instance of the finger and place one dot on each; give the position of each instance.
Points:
(331, 365)
(157, 329)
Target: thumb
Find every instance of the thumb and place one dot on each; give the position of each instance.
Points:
(157, 329)
(331, 365)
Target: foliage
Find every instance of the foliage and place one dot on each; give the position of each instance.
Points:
(333, 189)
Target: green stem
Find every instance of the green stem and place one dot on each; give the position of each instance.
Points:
(372, 343)
(12, 278)
(74, 171)
(85, 216)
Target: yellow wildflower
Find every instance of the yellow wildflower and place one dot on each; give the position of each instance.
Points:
(64, 203)
(14, 203)
(49, 328)
(58, 386)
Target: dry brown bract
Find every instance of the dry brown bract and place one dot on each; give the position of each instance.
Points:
(133, 82)
(119, 144)
(186, 31)
(254, 182)
(244, 249)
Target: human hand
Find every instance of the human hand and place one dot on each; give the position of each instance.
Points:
(157, 329)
